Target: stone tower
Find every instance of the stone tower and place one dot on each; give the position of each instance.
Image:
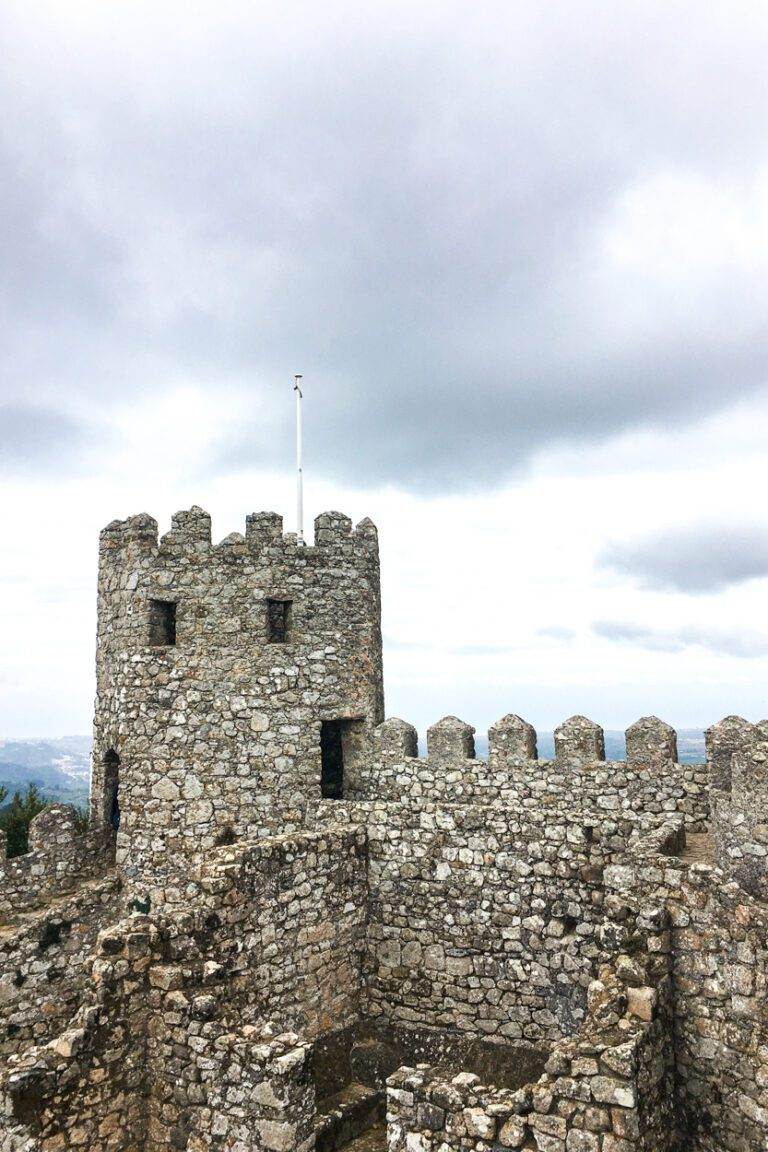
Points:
(235, 683)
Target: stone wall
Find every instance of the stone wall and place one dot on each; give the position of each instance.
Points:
(482, 920)
(57, 861)
(168, 1043)
(87, 1087)
(719, 937)
(650, 782)
(741, 820)
(211, 729)
(44, 963)
(607, 1089)
(285, 920)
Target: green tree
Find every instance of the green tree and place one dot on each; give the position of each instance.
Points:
(82, 821)
(16, 817)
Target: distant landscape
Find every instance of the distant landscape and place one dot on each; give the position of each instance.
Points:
(61, 767)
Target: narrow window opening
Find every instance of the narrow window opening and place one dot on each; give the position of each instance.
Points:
(162, 623)
(278, 621)
(112, 789)
(332, 759)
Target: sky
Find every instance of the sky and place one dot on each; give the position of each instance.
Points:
(519, 253)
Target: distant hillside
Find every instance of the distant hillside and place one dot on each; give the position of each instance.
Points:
(61, 767)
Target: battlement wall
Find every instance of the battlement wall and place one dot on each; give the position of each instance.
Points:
(58, 860)
(190, 536)
(217, 666)
(649, 781)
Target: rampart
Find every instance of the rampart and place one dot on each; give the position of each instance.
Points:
(649, 783)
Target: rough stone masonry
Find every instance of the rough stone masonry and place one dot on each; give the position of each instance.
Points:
(284, 930)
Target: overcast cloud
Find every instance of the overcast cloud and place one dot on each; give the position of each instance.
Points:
(735, 643)
(519, 252)
(477, 232)
(693, 558)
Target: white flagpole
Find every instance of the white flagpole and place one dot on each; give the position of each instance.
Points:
(299, 472)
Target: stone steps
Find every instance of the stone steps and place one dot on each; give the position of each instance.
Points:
(346, 1118)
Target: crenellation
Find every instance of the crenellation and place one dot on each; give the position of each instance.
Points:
(366, 530)
(511, 741)
(190, 527)
(450, 740)
(332, 528)
(730, 735)
(651, 741)
(263, 529)
(53, 829)
(285, 929)
(396, 739)
(579, 742)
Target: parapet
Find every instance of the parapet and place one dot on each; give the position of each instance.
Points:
(191, 528)
(138, 531)
(449, 740)
(651, 741)
(749, 781)
(511, 740)
(58, 860)
(733, 734)
(190, 534)
(396, 739)
(579, 742)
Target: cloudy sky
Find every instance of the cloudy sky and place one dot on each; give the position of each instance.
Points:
(519, 252)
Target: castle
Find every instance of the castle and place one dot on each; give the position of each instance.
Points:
(284, 930)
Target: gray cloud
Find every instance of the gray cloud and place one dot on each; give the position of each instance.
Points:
(38, 439)
(699, 559)
(405, 205)
(747, 645)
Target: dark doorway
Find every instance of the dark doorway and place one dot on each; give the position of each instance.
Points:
(332, 759)
(112, 789)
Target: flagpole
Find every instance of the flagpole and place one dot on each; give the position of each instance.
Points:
(299, 472)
